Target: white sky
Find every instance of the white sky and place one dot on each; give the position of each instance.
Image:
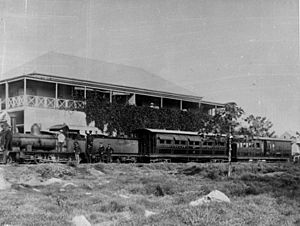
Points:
(234, 50)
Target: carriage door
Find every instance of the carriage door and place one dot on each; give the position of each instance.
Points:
(144, 144)
(234, 152)
(266, 148)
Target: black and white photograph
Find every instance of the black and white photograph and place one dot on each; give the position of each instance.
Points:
(149, 112)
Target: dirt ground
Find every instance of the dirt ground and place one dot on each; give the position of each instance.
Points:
(149, 194)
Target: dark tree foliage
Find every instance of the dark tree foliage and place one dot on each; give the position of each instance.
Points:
(123, 119)
(226, 120)
(259, 126)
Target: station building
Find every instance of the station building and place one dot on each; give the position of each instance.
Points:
(46, 90)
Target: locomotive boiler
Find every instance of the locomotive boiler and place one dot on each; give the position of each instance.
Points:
(39, 147)
(34, 142)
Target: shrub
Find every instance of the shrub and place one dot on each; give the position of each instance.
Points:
(54, 170)
(125, 119)
(113, 206)
(158, 191)
(213, 174)
(100, 167)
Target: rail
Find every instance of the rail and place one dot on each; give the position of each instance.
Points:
(44, 102)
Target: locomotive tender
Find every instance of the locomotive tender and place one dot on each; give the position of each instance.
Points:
(148, 145)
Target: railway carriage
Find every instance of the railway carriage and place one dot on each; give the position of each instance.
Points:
(180, 146)
(261, 148)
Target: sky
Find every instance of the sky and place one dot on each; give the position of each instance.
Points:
(224, 50)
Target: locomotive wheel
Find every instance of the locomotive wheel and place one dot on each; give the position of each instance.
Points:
(9, 160)
(37, 161)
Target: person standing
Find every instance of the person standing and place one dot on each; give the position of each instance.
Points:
(89, 146)
(109, 151)
(61, 140)
(101, 151)
(1, 136)
(6, 141)
(77, 151)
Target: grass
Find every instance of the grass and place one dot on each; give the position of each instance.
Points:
(261, 194)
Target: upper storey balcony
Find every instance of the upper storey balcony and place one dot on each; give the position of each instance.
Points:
(52, 94)
(31, 93)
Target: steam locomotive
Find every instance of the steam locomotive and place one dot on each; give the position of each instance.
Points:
(42, 146)
(147, 145)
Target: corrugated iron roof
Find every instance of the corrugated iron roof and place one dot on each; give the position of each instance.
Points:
(73, 67)
(177, 132)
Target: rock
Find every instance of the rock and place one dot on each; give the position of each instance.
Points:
(37, 190)
(4, 184)
(149, 213)
(33, 182)
(96, 173)
(274, 174)
(69, 184)
(52, 181)
(103, 182)
(106, 223)
(199, 202)
(80, 221)
(124, 196)
(214, 196)
(218, 196)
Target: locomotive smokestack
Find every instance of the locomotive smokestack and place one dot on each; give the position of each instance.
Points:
(35, 129)
(13, 124)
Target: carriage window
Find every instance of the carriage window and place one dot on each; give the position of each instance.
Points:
(176, 141)
(197, 143)
(222, 144)
(258, 145)
(204, 143)
(161, 141)
(191, 142)
(183, 142)
(210, 143)
(168, 141)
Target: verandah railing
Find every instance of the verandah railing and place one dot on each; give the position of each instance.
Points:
(45, 102)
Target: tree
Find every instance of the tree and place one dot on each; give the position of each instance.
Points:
(259, 126)
(224, 122)
(226, 119)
